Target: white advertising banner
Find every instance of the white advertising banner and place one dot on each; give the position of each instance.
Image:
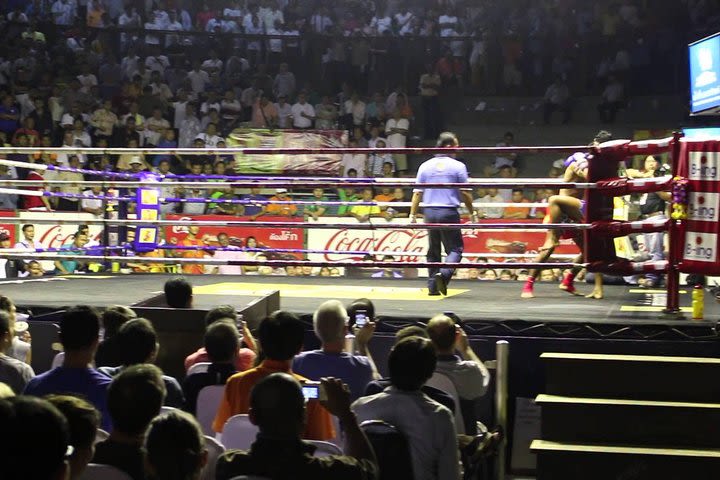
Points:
(405, 245)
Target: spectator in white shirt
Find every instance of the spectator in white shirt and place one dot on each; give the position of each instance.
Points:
(230, 109)
(87, 79)
(321, 22)
(64, 12)
(396, 131)
(157, 62)
(92, 205)
(155, 126)
(253, 46)
(198, 78)
(213, 65)
(303, 114)
(234, 11)
(492, 196)
(284, 111)
(557, 97)
(284, 83)
(381, 24)
(354, 161)
(210, 136)
(356, 108)
(613, 99)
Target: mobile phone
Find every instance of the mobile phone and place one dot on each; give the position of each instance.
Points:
(360, 318)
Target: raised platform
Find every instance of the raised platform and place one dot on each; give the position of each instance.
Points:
(403, 299)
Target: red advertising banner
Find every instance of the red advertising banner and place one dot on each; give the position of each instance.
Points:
(9, 228)
(275, 238)
(700, 164)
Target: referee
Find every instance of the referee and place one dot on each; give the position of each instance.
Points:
(440, 205)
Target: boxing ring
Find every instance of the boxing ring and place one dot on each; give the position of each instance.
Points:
(130, 237)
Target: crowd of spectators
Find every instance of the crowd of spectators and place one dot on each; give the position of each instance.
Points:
(108, 404)
(180, 73)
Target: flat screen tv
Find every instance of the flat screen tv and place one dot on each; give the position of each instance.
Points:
(704, 58)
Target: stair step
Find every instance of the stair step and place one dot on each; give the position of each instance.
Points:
(624, 421)
(586, 461)
(682, 379)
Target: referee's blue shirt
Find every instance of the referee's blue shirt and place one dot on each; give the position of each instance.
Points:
(441, 169)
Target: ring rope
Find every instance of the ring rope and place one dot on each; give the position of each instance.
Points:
(291, 151)
(292, 263)
(318, 183)
(281, 182)
(348, 226)
(129, 248)
(112, 198)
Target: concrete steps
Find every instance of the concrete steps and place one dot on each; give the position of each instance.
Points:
(628, 416)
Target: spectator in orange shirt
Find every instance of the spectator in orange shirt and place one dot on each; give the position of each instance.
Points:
(191, 240)
(282, 209)
(517, 212)
(281, 338)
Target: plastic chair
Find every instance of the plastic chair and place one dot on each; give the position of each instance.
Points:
(164, 410)
(58, 360)
(391, 449)
(208, 401)
(444, 383)
(97, 471)
(200, 367)
(325, 449)
(101, 435)
(215, 449)
(250, 477)
(239, 432)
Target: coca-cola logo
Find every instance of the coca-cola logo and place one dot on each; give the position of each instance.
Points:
(404, 245)
(56, 236)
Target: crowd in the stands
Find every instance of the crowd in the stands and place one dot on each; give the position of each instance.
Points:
(106, 404)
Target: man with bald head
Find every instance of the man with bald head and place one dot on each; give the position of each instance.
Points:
(330, 323)
(277, 407)
(457, 361)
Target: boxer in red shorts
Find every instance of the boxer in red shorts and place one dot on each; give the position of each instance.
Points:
(567, 207)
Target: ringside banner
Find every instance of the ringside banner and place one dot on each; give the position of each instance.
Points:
(700, 162)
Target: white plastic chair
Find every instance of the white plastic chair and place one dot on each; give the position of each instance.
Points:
(164, 410)
(238, 432)
(444, 383)
(96, 471)
(58, 360)
(101, 435)
(208, 401)
(200, 367)
(215, 449)
(325, 449)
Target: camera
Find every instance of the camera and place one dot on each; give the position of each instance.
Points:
(313, 391)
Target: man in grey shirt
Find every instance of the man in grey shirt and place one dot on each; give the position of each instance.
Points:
(13, 372)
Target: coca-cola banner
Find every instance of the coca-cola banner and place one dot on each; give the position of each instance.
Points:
(8, 228)
(700, 164)
(56, 236)
(273, 238)
(410, 245)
